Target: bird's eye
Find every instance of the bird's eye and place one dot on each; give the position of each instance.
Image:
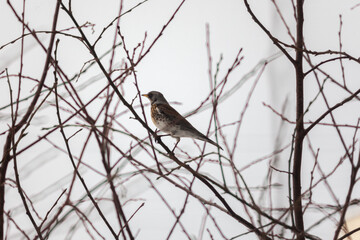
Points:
(150, 95)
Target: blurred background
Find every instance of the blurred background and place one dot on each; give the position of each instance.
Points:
(260, 92)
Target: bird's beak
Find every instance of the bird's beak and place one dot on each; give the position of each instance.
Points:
(145, 95)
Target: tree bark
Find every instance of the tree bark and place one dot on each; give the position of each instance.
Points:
(299, 137)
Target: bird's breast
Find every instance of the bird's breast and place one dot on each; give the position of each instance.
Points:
(161, 121)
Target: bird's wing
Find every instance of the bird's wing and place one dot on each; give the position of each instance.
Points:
(183, 124)
(175, 117)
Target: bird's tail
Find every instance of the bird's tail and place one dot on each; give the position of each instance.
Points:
(206, 139)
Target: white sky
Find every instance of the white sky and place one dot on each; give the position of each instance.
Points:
(177, 66)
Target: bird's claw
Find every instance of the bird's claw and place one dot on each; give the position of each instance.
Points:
(156, 137)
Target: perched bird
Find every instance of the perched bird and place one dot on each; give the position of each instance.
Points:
(168, 120)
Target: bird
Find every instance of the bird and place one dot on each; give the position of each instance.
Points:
(168, 120)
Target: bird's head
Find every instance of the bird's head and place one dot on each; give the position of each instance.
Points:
(156, 97)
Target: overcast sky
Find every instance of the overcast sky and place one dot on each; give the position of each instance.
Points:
(177, 66)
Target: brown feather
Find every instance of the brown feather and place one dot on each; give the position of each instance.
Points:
(175, 118)
(168, 120)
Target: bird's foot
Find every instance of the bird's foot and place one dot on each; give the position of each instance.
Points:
(157, 137)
